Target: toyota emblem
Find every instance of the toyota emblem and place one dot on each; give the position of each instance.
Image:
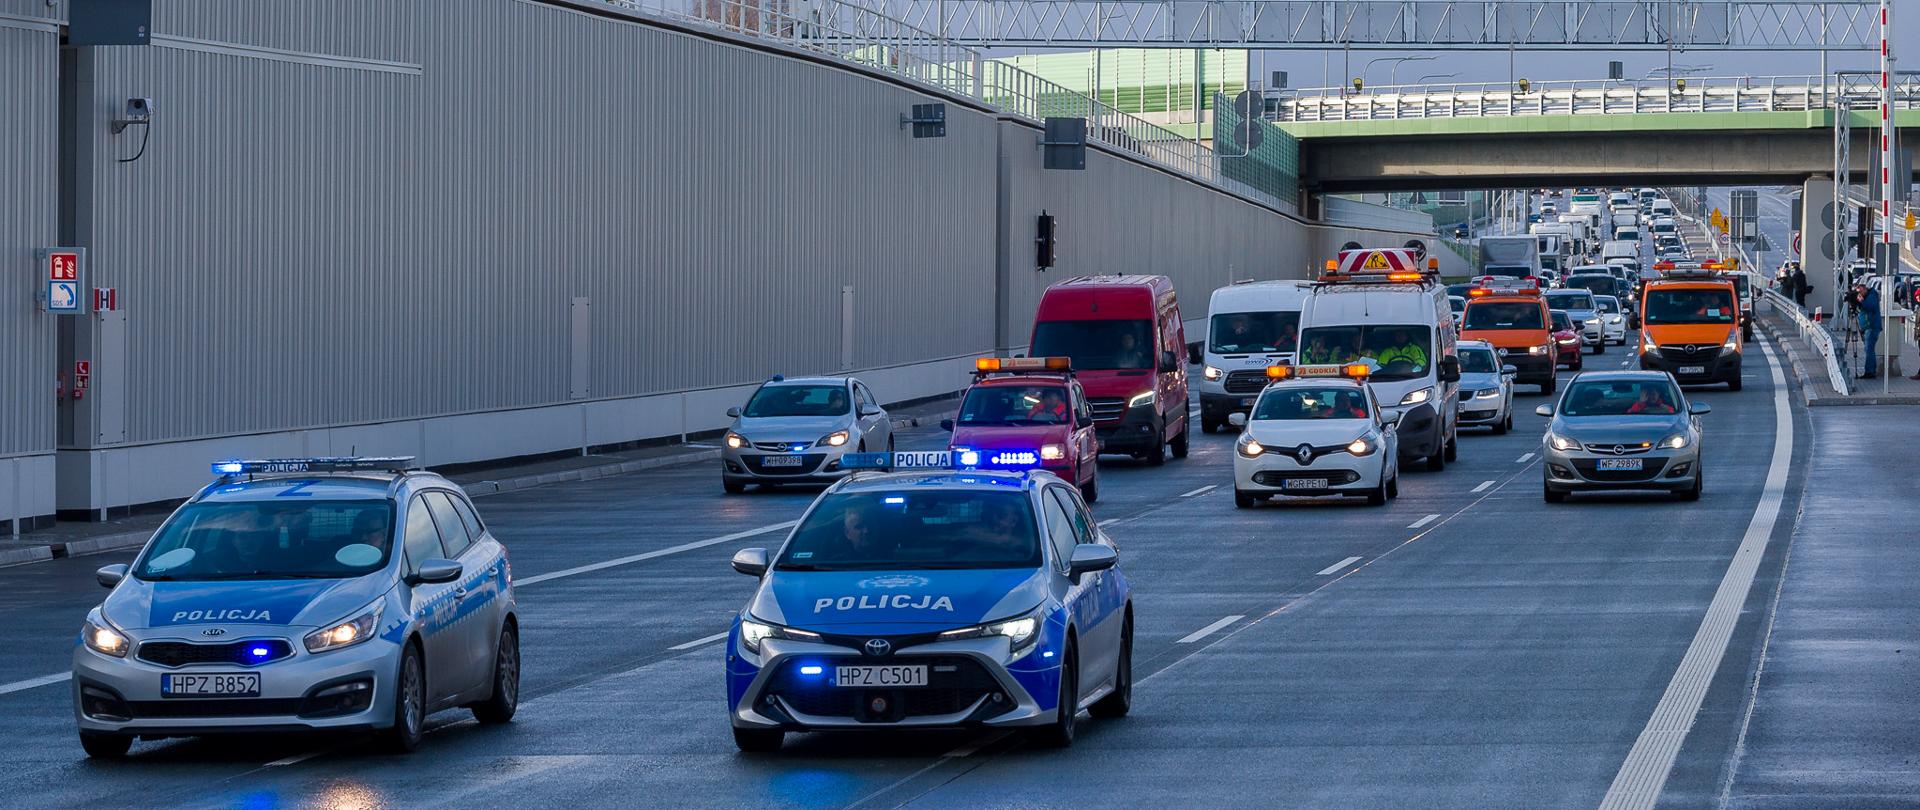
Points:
(1304, 453)
(878, 646)
(213, 631)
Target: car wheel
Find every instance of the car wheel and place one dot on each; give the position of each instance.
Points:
(1552, 495)
(758, 740)
(1157, 456)
(1699, 483)
(1453, 446)
(1504, 424)
(1210, 425)
(1378, 495)
(1601, 348)
(1546, 388)
(1393, 484)
(1437, 459)
(889, 443)
(1179, 444)
(1733, 384)
(1241, 499)
(1090, 491)
(105, 746)
(733, 487)
(409, 703)
(499, 707)
(1120, 701)
(1060, 733)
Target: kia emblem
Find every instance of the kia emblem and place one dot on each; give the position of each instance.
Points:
(213, 631)
(878, 646)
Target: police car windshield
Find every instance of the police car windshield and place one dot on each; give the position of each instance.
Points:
(798, 400)
(1248, 332)
(1016, 405)
(1504, 315)
(1096, 344)
(271, 540)
(1621, 398)
(1332, 402)
(1400, 352)
(1478, 361)
(1570, 300)
(1689, 306)
(915, 529)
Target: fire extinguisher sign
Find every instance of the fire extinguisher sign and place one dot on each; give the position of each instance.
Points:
(60, 280)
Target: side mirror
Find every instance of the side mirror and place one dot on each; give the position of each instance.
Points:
(1090, 557)
(1169, 362)
(1509, 370)
(1238, 420)
(1449, 369)
(733, 413)
(436, 571)
(1193, 354)
(1695, 408)
(946, 425)
(870, 410)
(1544, 410)
(1082, 420)
(1390, 418)
(750, 561)
(110, 575)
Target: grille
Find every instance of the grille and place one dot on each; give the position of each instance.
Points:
(781, 447)
(1275, 478)
(948, 692)
(181, 653)
(214, 707)
(1245, 381)
(1589, 469)
(1676, 354)
(808, 461)
(1106, 409)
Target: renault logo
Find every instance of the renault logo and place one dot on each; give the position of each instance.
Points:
(1304, 453)
(878, 646)
(213, 631)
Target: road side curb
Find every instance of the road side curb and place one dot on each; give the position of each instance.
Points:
(1811, 393)
(23, 554)
(496, 486)
(1808, 389)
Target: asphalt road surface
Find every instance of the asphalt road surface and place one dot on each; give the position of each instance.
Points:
(1467, 646)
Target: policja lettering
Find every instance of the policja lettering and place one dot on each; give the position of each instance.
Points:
(884, 601)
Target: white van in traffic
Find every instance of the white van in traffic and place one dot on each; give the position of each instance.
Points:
(1250, 325)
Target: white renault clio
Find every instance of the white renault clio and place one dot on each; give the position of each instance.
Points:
(1317, 431)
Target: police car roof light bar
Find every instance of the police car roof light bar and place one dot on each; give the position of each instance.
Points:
(270, 466)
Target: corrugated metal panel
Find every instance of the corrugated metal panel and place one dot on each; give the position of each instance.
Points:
(29, 218)
(367, 29)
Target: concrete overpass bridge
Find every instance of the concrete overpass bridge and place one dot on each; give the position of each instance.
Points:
(1710, 132)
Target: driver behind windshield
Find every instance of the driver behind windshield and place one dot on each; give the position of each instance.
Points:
(1051, 407)
(1652, 401)
(1403, 350)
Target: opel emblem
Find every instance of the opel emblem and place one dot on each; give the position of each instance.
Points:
(1619, 449)
(213, 631)
(878, 646)
(1692, 348)
(1304, 453)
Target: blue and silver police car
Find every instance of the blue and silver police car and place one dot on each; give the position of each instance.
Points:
(924, 596)
(299, 595)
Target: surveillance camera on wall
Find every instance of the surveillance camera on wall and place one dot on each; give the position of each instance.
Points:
(139, 110)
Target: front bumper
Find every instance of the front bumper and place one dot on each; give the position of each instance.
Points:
(1660, 470)
(347, 689)
(1723, 367)
(1478, 412)
(1419, 429)
(818, 464)
(1274, 471)
(972, 683)
(1533, 368)
(1217, 405)
(1138, 430)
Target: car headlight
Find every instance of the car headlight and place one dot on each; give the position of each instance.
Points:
(1140, 399)
(349, 632)
(1052, 452)
(1676, 442)
(1539, 350)
(1021, 632)
(753, 632)
(834, 439)
(1416, 396)
(1212, 373)
(1646, 342)
(1562, 443)
(736, 441)
(1733, 341)
(1489, 393)
(100, 637)
(1365, 445)
(1248, 447)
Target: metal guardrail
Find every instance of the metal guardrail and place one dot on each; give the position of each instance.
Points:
(1815, 334)
(866, 36)
(1476, 100)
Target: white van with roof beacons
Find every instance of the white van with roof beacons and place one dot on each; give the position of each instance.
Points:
(1250, 326)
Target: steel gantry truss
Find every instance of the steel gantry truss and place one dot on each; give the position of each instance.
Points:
(1728, 25)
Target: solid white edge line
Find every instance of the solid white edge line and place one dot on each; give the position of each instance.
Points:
(663, 552)
(1110, 521)
(1335, 568)
(1423, 521)
(1199, 491)
(1209, 629)
(1483, 486)
(699, 641)
(1524, 458)
(1644, 773)
(293, 760)
(32, 683)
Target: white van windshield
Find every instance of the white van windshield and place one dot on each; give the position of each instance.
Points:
(1400, 351)
(1252, 332)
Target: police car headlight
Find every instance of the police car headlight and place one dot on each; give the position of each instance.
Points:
(736, 441)
(1213, 373)
(753, 632)
(1140, 400)
(1365, 445)
(1021, 632)
(1416, 396)
(1052, 452)
(834, 439)
(1562, 443)
(349, 632)
(1676, 442)
(100, 637)
(1248, 447)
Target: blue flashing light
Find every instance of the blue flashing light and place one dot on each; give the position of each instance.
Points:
(1014, 458)
(968, 458)
(866, 461)
(258, 653)
(894, 499)
(1047, 654)
(228, 467)
(811, 669)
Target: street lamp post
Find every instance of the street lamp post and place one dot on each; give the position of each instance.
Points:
(1396, 60)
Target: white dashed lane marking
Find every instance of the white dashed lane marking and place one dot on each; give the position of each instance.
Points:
(1423, 521)
(1335, 568)
(1209, 630)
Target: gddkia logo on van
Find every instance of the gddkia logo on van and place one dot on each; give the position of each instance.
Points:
(892, 581)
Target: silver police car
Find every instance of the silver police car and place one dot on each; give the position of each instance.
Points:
(302, 594)
(794, 431)
(1623, 430)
